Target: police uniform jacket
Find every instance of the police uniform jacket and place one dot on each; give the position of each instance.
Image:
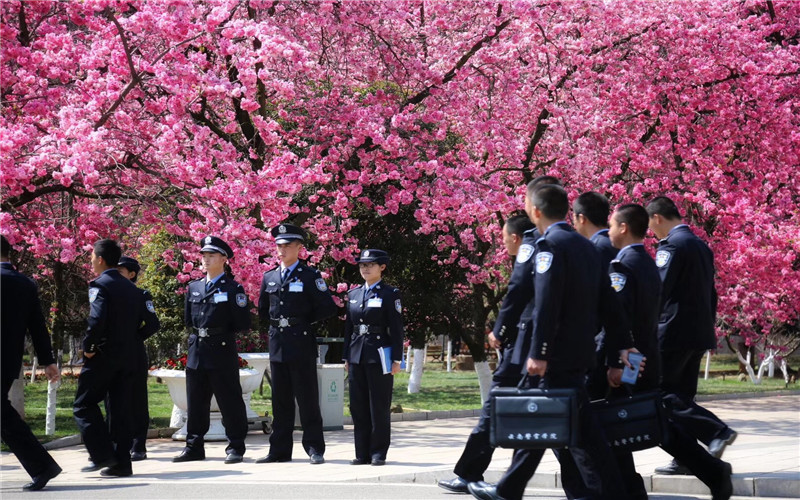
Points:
(291, 308)
(572, 291)
(688, 296)
(372, 321)
(20, 313)
(213, 318)
(603, 245)
(117, 314)
(151, 324)
(513, 318)
(634, 278)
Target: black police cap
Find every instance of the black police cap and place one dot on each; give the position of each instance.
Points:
(214, 244)
(130, 264)
(285, 233)
(373, 255)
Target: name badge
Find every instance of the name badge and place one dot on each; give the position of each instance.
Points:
(296, 286)
(220, 297)
(374, 302)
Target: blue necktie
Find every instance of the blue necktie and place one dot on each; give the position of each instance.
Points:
(284, 274)
(209, 285)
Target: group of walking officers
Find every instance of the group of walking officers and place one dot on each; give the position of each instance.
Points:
(580, 299)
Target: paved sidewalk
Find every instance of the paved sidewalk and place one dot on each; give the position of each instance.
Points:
(765, 457)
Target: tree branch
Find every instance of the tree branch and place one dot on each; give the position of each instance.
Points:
(134, 74)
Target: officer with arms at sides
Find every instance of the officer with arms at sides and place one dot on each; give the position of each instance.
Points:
(130, 268)
(570, 291)
(116, 320)
(634, 276)
(216, 309)
(518, 239)
(686, 326)
(373, 322)
(21, 314)
(293, 298)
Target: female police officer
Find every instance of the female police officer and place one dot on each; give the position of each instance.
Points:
(216, 308)
(373, 323)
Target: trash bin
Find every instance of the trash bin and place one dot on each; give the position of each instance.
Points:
(330, 378)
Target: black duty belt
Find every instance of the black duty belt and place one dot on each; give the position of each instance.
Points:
(287, 322)
(365, 329)
(208, 332)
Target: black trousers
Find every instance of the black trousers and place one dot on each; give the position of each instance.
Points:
(370, 406)
(477, 454)
(679, 385)
(19, 438)
(140, 410)
(105, 380)
(290, 381)
(224, 384)
(588, 469)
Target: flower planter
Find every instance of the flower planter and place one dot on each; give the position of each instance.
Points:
(258, 361)
(176, 383)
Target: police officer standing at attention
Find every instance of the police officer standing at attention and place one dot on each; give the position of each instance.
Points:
(686, 326)
(634, 276)
(518, 238)
(140, 414)
(216, 308)
(293, 297)
(20, 314)
(116, 315)
(373, 321)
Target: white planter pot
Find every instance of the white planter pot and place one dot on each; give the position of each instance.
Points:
(176, 383)
(258, 361)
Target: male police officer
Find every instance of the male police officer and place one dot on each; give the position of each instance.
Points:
(477, 455)
(634, 276)
(140, 414)
(293, 297)
(686, 326)
(21, 313)
(117, 313)
(216, 308)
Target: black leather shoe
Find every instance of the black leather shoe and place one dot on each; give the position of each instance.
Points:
(717, 446)
(724, 489)
(95, 466)
(138, 456)
(484, 491)
(673, 469)
(40, 480)
(376, 460)
(316, 458)
(358, 461)
(116, 472)
(456, 485)
(234, 458)
(188, 455)
(272, 459)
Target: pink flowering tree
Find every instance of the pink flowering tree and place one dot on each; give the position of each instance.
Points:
(121, 119)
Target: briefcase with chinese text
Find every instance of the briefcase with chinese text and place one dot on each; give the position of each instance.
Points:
(632, 423)
(533, 418)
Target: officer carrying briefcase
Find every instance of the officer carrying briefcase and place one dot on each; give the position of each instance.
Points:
(533, 418)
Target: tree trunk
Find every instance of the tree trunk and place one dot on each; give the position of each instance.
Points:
(415, 380)
(484, 379)
(17, 395)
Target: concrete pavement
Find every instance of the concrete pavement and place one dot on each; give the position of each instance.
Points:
(765, 459)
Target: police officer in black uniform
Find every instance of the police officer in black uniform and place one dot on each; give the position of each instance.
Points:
(293, 298)
(569, 283)
(519, 236)
(635, 278)
(21, 314)
(216, 308)
(116, 317)
(140, 414)
(686, 327)
(373, 322)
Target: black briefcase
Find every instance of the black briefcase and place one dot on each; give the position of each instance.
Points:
(533, 418)
(632, 423)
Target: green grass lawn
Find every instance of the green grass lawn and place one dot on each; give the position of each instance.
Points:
(440, 390)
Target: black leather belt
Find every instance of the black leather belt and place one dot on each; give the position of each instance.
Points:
(287, 322)
(365, 329)
(208, 332)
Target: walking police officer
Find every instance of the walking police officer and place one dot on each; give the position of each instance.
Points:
(140, 412)
(373, 322)
(216, 308)
(293, 298)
